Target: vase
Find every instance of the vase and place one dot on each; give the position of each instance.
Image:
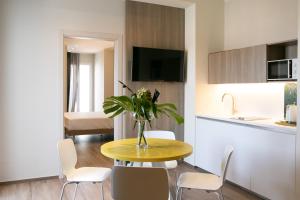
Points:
(141, 142)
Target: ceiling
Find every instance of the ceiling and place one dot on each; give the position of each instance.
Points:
(86, 45)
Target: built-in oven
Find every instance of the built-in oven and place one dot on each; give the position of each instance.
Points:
(282, 70)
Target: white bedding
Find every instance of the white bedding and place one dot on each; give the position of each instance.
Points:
(87, 121)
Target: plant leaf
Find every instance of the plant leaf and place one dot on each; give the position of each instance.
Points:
(117, 113)
(169, 105)
(111, 109)
(166, 110)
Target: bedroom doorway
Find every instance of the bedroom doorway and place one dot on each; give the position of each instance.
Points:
(88, 79)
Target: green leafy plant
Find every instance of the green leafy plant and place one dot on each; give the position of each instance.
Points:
(141, 104)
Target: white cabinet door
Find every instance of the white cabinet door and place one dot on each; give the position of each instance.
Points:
(273, 166)
(263, 161)
(211, 139)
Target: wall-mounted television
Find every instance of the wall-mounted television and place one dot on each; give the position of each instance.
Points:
(151, 64)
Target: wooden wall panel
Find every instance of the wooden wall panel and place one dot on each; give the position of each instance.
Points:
(155, 26)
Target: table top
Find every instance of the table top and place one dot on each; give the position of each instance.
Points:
(158, 150)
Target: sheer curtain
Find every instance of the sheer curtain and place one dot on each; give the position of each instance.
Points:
(73, 78)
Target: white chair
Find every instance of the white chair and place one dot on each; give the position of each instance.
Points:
(68, 160)
(205, 181)
(136, 183)
(162, 135)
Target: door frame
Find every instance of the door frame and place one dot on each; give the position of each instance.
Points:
(119, 72)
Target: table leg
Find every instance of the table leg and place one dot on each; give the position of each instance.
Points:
(119, 163)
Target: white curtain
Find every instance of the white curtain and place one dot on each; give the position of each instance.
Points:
(73, 82)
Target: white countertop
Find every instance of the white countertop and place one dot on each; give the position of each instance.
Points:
(268, 124)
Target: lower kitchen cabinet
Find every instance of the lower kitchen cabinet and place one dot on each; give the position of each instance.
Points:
(263, 161)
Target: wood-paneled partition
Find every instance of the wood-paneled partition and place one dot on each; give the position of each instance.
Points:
(155, 26)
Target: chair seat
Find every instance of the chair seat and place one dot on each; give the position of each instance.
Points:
(171, 164)
(201, 181)
(88, 174)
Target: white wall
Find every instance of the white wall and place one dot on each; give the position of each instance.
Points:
(65, 79)
(30, 75)
(190, 85)
(249, 23)
(204, 33)
(210, 38)
(255, 22)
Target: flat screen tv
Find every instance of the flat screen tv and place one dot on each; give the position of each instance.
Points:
(157, 65)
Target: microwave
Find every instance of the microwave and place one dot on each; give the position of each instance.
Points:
(282, 70)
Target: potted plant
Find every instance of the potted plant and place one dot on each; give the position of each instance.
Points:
(143, 107)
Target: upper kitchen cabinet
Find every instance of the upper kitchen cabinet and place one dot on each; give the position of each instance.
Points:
(246, 65)
(217, 63)
(253, 64)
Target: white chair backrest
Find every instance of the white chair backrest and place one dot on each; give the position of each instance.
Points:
(160, 134)
(67, 154)
(225, 162)
(136, 183)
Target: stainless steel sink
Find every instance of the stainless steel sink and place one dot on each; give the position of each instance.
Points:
(238, 118)
(252, 118)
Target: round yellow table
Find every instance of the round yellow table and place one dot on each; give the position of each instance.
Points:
(158, 150)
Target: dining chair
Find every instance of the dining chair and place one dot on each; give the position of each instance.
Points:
(205, 181)
(68, 160)
(136, 183)
(172, 164)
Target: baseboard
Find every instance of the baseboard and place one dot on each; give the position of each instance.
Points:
(29, 180)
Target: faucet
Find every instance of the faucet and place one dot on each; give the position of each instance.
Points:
(233, 103)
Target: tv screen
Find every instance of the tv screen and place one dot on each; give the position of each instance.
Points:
(157, 65)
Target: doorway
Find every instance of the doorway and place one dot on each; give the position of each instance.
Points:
(99, 66)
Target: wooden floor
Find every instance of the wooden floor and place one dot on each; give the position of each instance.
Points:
(88, 155)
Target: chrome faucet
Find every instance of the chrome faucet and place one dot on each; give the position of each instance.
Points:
(233, 103)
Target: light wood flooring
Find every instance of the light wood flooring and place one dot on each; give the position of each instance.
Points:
(88, 155)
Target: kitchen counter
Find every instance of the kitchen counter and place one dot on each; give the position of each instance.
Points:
(267, 124)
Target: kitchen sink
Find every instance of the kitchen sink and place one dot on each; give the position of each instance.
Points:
(248, 118)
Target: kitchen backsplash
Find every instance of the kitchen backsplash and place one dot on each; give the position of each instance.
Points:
(257, 99)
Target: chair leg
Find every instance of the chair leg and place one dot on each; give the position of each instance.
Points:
(176, 175)
(74, 196)
(102, 192)
(219, 193)
(63, 189)
(179, 193)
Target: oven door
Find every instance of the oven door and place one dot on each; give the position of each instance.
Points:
(279, 70)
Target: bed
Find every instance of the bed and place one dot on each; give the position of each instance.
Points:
(86, 123)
